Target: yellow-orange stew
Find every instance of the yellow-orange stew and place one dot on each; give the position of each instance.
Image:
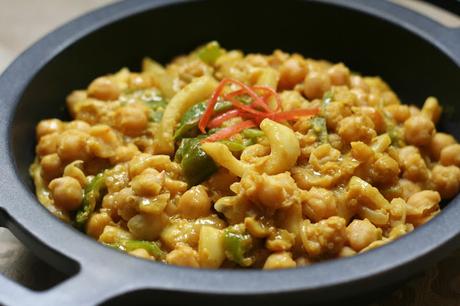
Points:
(225, 160)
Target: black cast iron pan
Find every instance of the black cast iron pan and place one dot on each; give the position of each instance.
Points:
(416, 55)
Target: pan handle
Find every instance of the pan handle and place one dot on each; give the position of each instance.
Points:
(86, 288)
(88, 284)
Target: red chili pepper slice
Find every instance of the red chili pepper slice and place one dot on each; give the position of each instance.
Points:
(218, 120)
(271, 92)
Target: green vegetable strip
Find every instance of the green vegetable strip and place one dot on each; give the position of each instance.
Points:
(210, 52)
(234, 146)
(236, 245)
(253, 133)
(320, 129)
(393, 130)
(90, 198)
(188, 126)
(131, 245)
(197, 166)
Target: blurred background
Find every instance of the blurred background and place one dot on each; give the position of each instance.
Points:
(22, 22)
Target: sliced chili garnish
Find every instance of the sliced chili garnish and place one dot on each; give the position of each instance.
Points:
(218, 120)
(244, 107)
(258, 102)
(210, 108)
(271, 92)
(227, 132)
(256, 111)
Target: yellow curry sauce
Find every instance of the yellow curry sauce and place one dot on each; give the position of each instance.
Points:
(221, 159)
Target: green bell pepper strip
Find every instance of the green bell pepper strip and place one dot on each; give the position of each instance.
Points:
(210, 52)
(252, 133)
(393, 130)
(188, 126)
(197, 166)
(320, 128)
(91, 196)
(234, 146)
(236, 244)
(129, 245)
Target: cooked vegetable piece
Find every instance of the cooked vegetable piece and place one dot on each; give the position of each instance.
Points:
(320, 129)
(234, 146)
(189, 122)
(197, 166)
(157, 108)
(131, 245)
(92, 195)
(236, 244)
(394, 131)
(253, 133)
(210, 52)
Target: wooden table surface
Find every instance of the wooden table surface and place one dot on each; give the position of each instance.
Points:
(24, 21)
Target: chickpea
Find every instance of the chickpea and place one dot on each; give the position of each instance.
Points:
(112, 234)
(138, 81)
(334, 112)
(320, 204)
(281, 260)
(358, 82)
(79, 125)
(280, 240)
(104, 141)
(292, 72)
(73, 170)
(356, 128)
(450, 155)
(408, 188)
(339, 74)
(432, 109)
(67, 193)
(414, 110)
(103, 88)
(386, 170)
(184, 256)
(418, 130)
(361, 233)
(73, 146)
(446, 180)
(147, 227)
(148, 183)
(316, 84)
(74, 99)
(422, 203)
(399, 112)
(52, 166)
(124, 153)
(390, 98)
(439, 142)
(413, 164)
(97, 223)
(49, 126)
(48, 144)
(194, 203)
(131, 121)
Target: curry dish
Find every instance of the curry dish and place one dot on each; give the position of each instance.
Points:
(225, 160)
